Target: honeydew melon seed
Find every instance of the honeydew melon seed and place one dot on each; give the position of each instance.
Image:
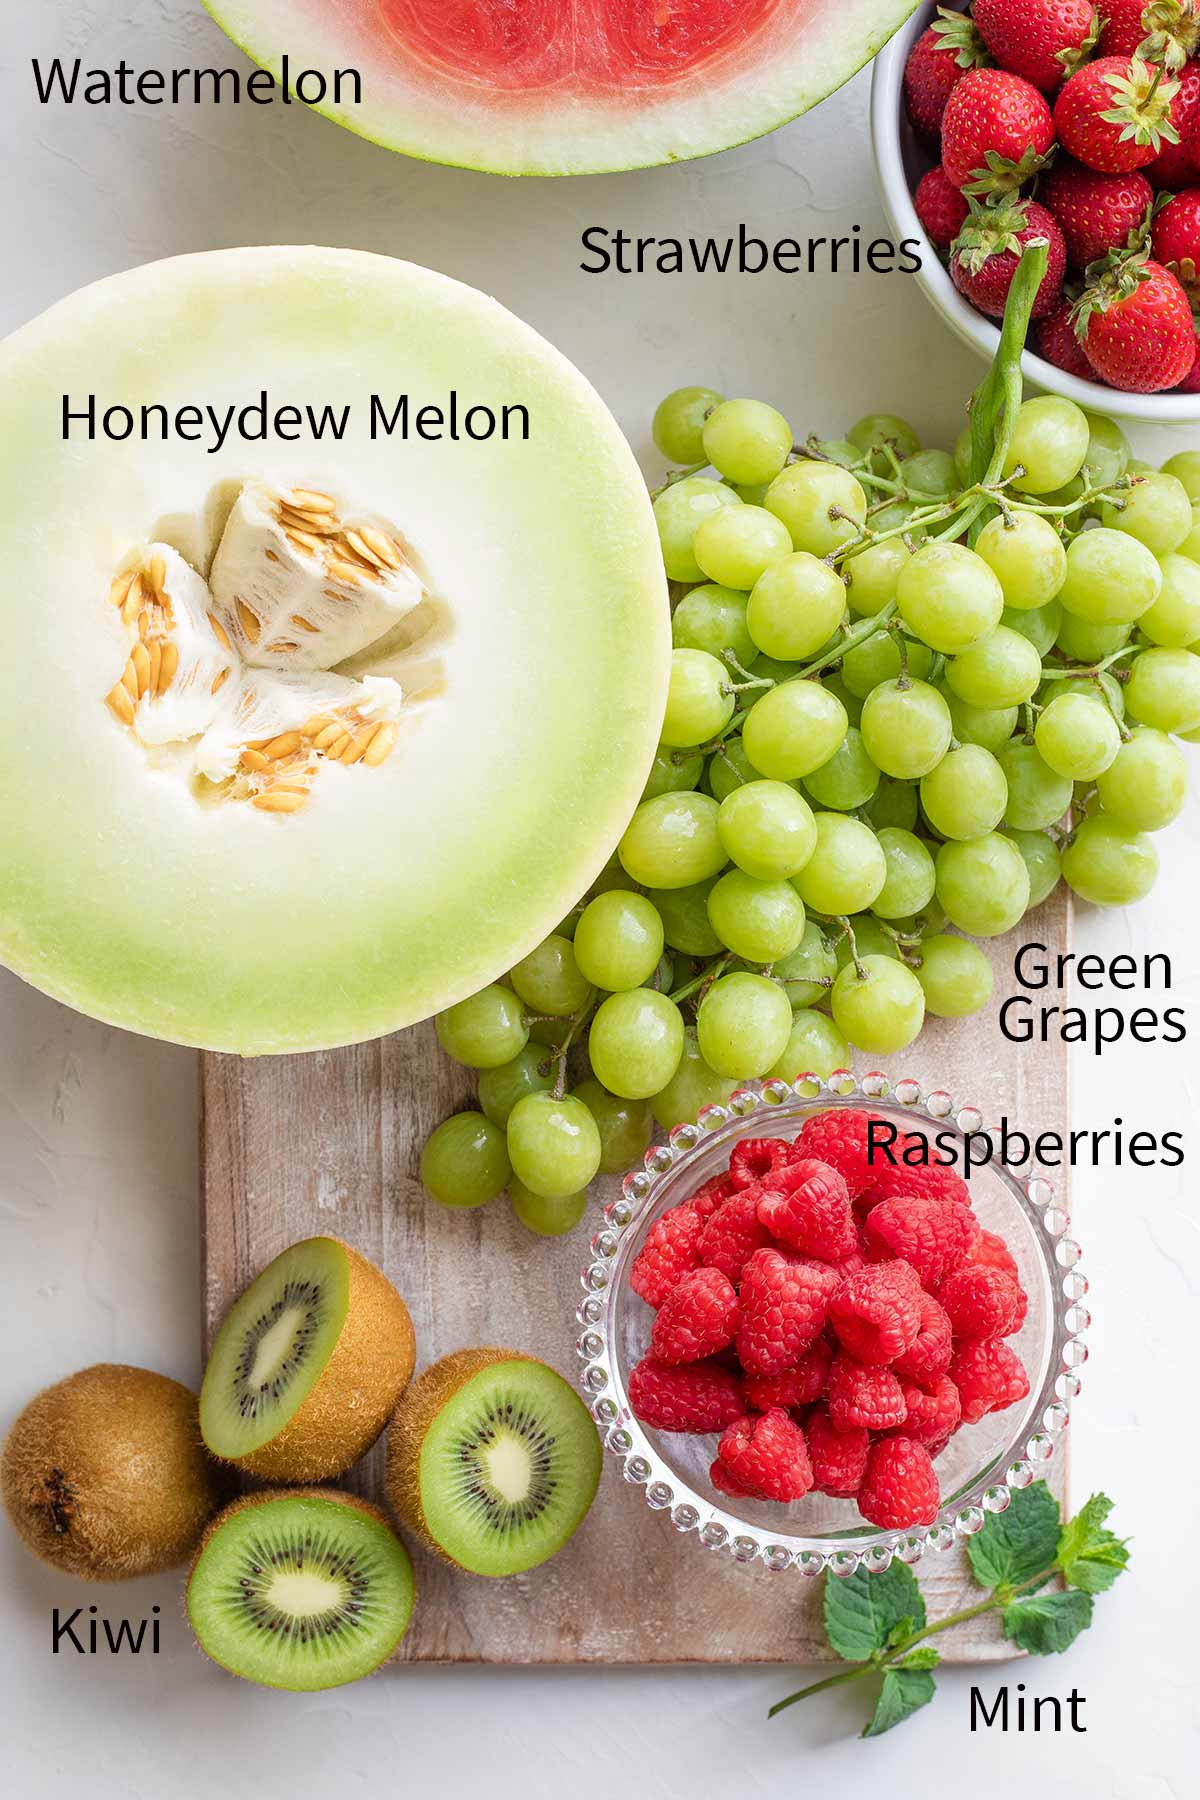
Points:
(955, 976)
(906, 728)
(669, 776)
(743, 1025)
(877, 659)
(679, 511)
(983, 884)
(872, 575)
(1112, 579)
(1037, 796)
(1163, 690)
(1049, 444)
(793, 729)
(1077, 736)
(848, 780)
(678, 424)
(698, 706)
(692, 1087)
(807, 972)
(965, 795)
(1002, 669)
(465, 1161)
(878, 1004)
(736, 546)
(758, 920)
(991, 727)
(1156, 511)
(530, 1072)
(1087, 643)
(1145, 785)
(625, 1126)
(822, 505)
(949, 597)
(1040, 624)
(1042, 859)
(549, 979)
(815, 1046)
(1027, 557)
(635, 1042)
(1174, 619)
(553, 1144)
(1108, 864)
(713, 618)
(484, 1030)
(795, 606)
(618, 940)
(910, 880)
(847, 869)
(546, 1217)
(673, 842)
(684, 913)
(767, 828)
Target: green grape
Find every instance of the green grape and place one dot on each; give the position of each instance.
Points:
(743, 1025)
(1145, 785)
(1111, 578)
(895, 803)
(965, 795)
(793, 729)
(1037, 797)
(989, 726)
(736, 546)
(729, 768)
(484, 1030)
(815, 1046)
(773, 668)
(877, 659)
(848, 779)
(931, 475)
(846, 870)
(553, 1144)
(949, 597)
(1042, 860)
(713, 618)
(692, 1087)
(767, 829)
(795, 606)
(612, 875)
(751, 493)
(1049, 444)
(530, 1072)
(684, 913)
(1040, 624)
(545, 1216)
(906, 728)
(670, 777)
(698, 706)
(927, 923)
(1002, 669)
(963, 455)
(878, 1004)
(1163, 690)
(1185, 466)
(871, 574)
(465, 1162)
(871, 938)
(747, 441)
(1113, 692)
(874, 429)
(1156, 511)
(1109, 864)
(678, 511)
(549, 979)
(822, 505)
(834, 684)
(635, 1041)
(618, 940)
(672, 842)
(1174, 619)
(546, 1032)
(625, 1126)
(896, 512)
(840, 450)
(1026, 556)
(1077, 736)
(758, 920)
(1087, 643)
(678, 427)
(955, 977)
(807, 972)
(983, 884)
(1107, 452)
(910, 878)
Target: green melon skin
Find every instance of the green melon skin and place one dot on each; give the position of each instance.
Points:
(788, 64)
(397, 891)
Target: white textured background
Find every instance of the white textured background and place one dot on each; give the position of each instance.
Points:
(98, 1131)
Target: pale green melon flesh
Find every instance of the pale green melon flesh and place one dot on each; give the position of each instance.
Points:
(397, 890)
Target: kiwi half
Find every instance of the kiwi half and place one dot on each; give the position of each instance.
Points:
(493, 1461)
(302, 1588)
(308, 1366)
(104, 1474)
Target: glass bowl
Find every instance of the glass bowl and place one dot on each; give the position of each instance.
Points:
(982, 1464)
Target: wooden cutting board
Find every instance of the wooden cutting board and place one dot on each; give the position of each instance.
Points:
(296, 1146)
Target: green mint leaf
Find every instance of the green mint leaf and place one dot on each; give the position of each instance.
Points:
(923, 1657)
(1089, 1555)
(904, 1692)
(1019, 1543)
(1044, 1624)
(903, 1628)
(861, 1611)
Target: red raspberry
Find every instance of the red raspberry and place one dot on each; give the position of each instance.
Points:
(877, 1315)
(838, 1457)
(706, 1199)
(1055, 339)
(733, 1234)
(726, 1482)
(900, 1486)
(699, 1397)
(840, 1139)
(754, 1159)
(928, 1356)
(671, 1251)
(930, 1181)
(698, 1317)
(991, 1252)
(785, 1303)
(981, 1303)
(795, 1387)
(941, 208)
(813, 1216)
(768, 1455)
(940, 57)
(934, 1412)
(864, 1394)
(932, 1235)
(989, 1376)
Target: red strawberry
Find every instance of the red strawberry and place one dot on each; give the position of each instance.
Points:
(988, 249)
(941, 208)
(1166, 31)
(1176, 165)
(1175, 237)
(996, 132)
(767, 1456)
(1135, 324)
(1191, 381)
(700, 1316)
(938, 60)
(1115, 114)
(1095, 212)
(1043, 40)
(1054, 339)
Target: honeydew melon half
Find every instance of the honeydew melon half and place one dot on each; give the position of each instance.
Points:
(566, 87)
(138, 891)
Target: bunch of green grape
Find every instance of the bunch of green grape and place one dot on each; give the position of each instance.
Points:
(902, 707)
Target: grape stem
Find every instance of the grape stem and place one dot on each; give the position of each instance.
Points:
(559, 1052)
(704, 979)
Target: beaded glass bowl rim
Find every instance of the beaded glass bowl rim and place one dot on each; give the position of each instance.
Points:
(604, 1283)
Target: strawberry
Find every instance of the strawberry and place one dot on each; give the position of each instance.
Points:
(1043, 40)
(938, 60)
(1054, 339)
(1135, 324)
(1178, 165)
(988, 249)
(940, 208)
(1095, 212)
(1175, 236)
(1165, 31)
(1115, 114)
(997, 132)
(1191, 381)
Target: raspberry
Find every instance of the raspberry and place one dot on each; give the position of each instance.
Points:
(838, 1457)
(733, 1233)
(932, 1181)
(699, 1397)
(982, 1303)
(934, 1413)
(989, 1376)
(932, 1235)
(754, 1159)
(864, 1394)
(768, 1455)
(813, 1215)
(726, 1482)
(785, 1303)
(991, 1252)
(900, 1485)
(840, 1138)
(877, 1314)
(928, 1356)
(698, 1317)
(799, 1386)
(706, 1199)
(671, 1251)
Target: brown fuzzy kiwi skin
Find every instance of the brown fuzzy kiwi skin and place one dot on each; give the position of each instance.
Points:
(104, 1475)
(422, 1402)
(357, 1392)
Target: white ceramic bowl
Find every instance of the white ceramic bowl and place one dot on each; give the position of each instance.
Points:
(901, 160)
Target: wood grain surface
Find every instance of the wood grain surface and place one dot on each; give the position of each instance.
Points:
(328, 1143)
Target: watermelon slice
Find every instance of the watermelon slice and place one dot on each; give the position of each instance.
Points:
(567, 87)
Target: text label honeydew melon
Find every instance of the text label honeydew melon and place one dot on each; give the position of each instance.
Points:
(258, 421)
